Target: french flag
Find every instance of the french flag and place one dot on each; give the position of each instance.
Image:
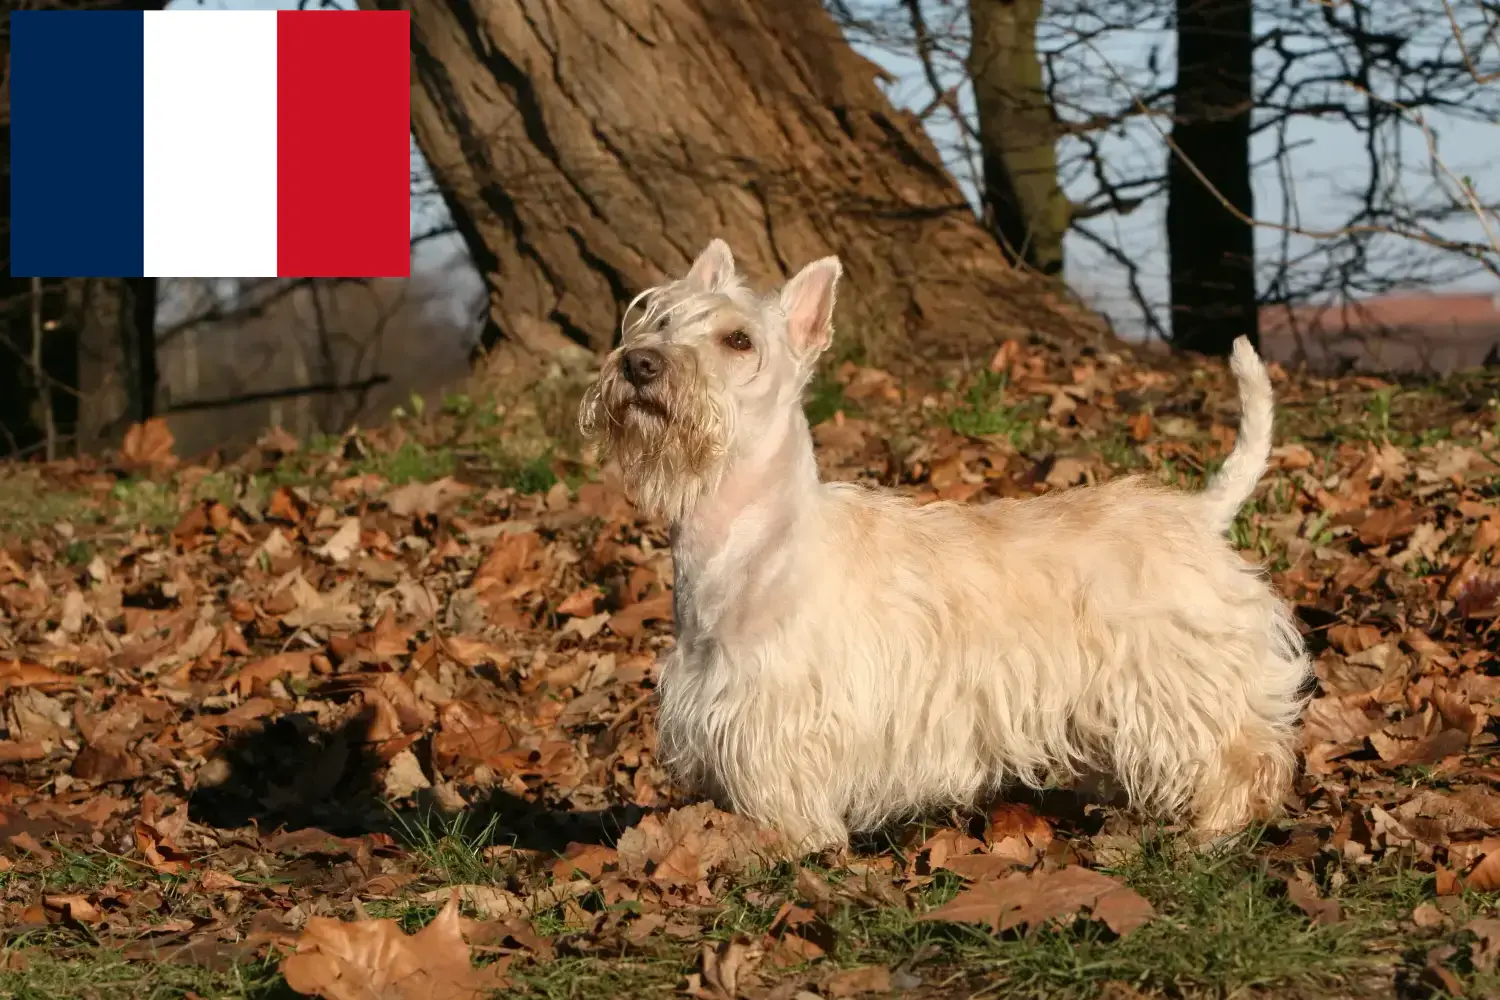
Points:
(210, 144)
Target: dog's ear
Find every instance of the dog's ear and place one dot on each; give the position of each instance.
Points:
(807, 301)
(713, 269)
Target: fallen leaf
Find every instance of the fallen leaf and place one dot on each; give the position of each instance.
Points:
(728, 968)
(148, 445)
(856, 982)
(1388, 524)
(1123, 910)
(424, 498)
(404, 776)
(1036, 897)
(792, 949)
(586, 859)
(473, 652)
(1486, 951)
(155, 849)
(685, 845)
(340, 548)
(1067, 472)
(947, 843)
(1318, 909)
(1014, 831)
(20, 674)
(580, 603)
(1485, 876)
(278, 441)
(978, 867)
(1427, 916)
(15, 751)
(213, 880)
(263, 672)
(75, 908)
(24, 841)
(374, 960)
(495, 903)
(630, 622)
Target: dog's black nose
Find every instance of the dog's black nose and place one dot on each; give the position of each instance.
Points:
(642, 365)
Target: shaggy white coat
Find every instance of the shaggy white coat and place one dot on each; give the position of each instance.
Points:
(846, 658)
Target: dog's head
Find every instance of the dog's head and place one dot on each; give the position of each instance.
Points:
(706, 368)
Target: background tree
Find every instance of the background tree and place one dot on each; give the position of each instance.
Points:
(1017, 132)
(1209, 200)
(1384, 86)
(587, 150)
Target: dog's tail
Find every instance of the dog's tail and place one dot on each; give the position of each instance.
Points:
(1235, 482)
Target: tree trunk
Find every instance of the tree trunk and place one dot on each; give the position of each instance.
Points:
(99, 348)
(1212, 248)
(590, 148)
(99, 353)
(1017, 133)
(113, 324)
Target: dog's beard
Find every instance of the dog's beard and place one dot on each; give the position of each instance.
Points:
(670, 439)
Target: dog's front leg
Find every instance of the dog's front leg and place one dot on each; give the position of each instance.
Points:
(805, 816)
(750, 757)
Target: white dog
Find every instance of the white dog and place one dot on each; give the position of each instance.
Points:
(846, 658)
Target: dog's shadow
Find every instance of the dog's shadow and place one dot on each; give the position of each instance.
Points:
(290, 774)
(1070, 812)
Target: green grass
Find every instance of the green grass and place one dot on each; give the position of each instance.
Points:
(825, 397)
(76, 871)
(984, 412)
(452, 849)
(102, 974)
(28, 502)
(1119, 452)
(1411, 413)
(1224, 928)
(143, 502)
(1378, 411)
(530, 475)
(412, 462)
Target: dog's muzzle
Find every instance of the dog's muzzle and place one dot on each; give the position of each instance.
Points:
(642, 366)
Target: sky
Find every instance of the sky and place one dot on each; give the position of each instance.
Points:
(1325, 163)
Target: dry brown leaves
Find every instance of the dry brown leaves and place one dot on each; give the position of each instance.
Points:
(210, 698)
(1029, 899)
(148, 447)
(361, 959)
(686, 845)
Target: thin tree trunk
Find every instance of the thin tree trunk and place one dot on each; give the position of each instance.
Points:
(39, 375)
(112, 322)
(590, 148)
(1017, 133)
(1212, 249)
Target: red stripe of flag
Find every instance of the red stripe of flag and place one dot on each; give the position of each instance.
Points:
(343, 107)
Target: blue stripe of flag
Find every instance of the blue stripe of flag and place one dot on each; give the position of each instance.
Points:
(77, 172)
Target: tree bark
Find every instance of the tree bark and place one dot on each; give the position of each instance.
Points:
(590, 148)
(112, 322)
(1212, 248)
(1017, 133)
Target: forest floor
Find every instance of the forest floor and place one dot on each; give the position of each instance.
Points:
(264, 720)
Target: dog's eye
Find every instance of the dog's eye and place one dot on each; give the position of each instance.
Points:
(739, 340)
(661, 322)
